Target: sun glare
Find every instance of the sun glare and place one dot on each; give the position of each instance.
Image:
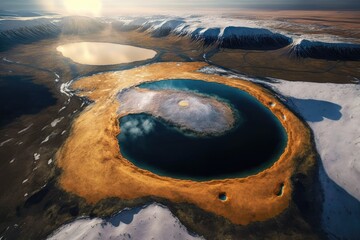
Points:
(74, 7)
(83, 7)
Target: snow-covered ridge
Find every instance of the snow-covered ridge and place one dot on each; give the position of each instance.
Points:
(325, 50)
(217, 31)
(17, 31)
(243, 36)
(14, 32)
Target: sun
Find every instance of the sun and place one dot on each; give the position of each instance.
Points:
(83, 7)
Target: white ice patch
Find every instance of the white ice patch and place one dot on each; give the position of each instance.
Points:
(152, 222)
(61, 109)
(25, 129)
(64, 88)
(50, 161)
(25, 181)
(57, 77)
(6, 141)
(36, 156)
(7, 60)
(45, 140)
(56, 121)
(48, 138)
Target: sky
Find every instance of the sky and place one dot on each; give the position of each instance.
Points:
(99, 7)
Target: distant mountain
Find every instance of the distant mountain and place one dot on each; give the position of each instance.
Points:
(13, 32)
(322, 50)
(225, 37)
(207, 31)
(6, 13)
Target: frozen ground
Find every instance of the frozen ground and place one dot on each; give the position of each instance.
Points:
(151, 222)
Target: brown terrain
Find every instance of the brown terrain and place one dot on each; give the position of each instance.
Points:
(33, 209)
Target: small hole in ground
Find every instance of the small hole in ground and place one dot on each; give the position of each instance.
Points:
(281, 189)
(222, 196)
(272, 104)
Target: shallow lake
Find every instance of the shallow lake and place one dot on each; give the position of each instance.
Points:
(98, 53)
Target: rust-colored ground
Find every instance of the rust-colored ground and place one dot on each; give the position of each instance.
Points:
(92, 166)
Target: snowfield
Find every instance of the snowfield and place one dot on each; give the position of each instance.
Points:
(333, 113)
(151, 222)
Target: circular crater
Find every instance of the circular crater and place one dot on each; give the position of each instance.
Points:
(207, 130)
(222, 196)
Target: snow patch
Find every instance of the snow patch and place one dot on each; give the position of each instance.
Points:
(45, 140)
(61, 109)
(56, 121)
(36, 156)
(64, 88)
(6, 141)
(151, 222)
(57, 79)
(48, 137)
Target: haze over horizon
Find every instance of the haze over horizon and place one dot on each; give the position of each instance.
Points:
(101, 7)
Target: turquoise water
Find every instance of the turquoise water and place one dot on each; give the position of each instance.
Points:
(254, 144)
